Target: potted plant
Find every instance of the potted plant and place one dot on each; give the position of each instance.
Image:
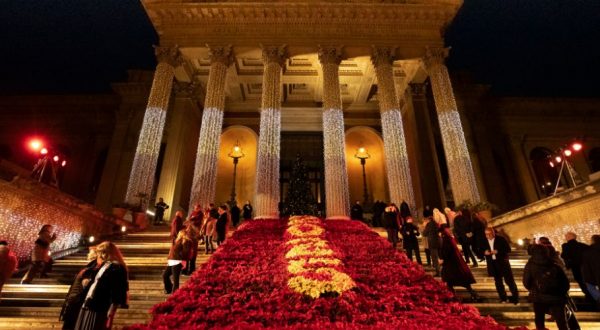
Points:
(484, 209)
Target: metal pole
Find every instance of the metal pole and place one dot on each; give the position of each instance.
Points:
(232, 201)
(562, 165)
(363, 162)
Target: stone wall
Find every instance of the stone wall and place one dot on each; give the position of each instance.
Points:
(25, 206)
(576, 210)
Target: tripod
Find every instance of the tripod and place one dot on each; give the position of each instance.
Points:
(569, 176)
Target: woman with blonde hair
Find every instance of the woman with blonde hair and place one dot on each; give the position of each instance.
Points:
(107, 290)
(179, 255)
(439, 217)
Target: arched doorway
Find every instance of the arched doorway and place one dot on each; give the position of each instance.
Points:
(368, 138)
(247, 139)
(544, 169)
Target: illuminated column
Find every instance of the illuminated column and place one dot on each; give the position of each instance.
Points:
(336, 176)
(141, 179)
(205, 170)
(460, 168)
(396, 155)
(267, 168)
(182, 120)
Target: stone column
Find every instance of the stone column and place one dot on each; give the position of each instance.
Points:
(460, 168)
(396, 156)
(181, 121)
(141, 179)
(336, 175)
(267, 168)
(205, 170)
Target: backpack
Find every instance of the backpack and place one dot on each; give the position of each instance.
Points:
(547, 281)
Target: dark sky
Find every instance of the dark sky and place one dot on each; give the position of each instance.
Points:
(525, 47)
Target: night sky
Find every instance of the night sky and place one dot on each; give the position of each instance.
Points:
(525, 47)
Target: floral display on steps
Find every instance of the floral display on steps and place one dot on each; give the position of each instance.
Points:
(246, 284)
(315, 268)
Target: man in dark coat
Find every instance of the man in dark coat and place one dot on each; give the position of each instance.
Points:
(463, 230)
(410, 232)
(548, 286)
(431, 234)
(572, 254)
(221, 226)
(161, 206)
(247, 211)
(496, 250)
(356, 212)
(590, 268)
(235, 215)
(390, 222)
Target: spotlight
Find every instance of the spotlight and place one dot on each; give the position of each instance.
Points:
(43, 151)
(35, 144)
(49, 253)
(548, 184)
(520, 242)
(56, 158)
(551, 163)
(558, 159)
(123, 229)
(150, 213)
(91, 239)
(567, 152)
(64, 163)
(577, 146)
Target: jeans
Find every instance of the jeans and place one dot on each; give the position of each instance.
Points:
(594, 291)
(392, 236)
(208, 244)
(558, 311)
(409, 252)
(175, 271)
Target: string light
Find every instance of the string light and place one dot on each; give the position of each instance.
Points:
(394, 141)
(205, 171)
(460, 168)
(141, 179)
(267, 167)
(336, 176)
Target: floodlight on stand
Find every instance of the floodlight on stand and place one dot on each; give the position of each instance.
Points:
(558, 159)
(567, 152)
(56, 158)
(44, 151)
(577, 146)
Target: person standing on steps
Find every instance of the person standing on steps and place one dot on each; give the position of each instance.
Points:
(160, 207)
(40, 257)
(235, 215)
(247, 211)
(572, 255)
(176, 225)
(222, 222)
(455, 271)
(8, 263)
(78, 290)
(431, 235)
(590, 269)
(179, 253)
(390, 222)
(496, 250)
(548, 287)
(410, 232)
(463, 229)
(107, 292)
(356, 212)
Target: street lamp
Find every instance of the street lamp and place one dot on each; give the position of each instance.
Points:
(236, 153)
(363, 155)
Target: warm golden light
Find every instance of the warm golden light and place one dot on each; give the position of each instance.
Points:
(44, 151)
(236, 152)
(35, 144)
(56, 158)
(577, 146)
(361, 153)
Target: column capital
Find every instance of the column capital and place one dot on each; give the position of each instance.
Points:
(383, 55)
(169, 55)
(435, 56)
(276, 54)
(220, 54)
(192, 90)
(330, 54)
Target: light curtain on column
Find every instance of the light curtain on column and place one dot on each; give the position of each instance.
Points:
(205, 170)
(396, 155)
(141, 179)
(267, 168)
(460, 168)
(336, 175)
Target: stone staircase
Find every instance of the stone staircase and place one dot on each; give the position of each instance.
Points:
(38, 305)
(510, 314)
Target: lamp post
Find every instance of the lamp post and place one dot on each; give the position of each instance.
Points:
(236, 153)
(363, 155)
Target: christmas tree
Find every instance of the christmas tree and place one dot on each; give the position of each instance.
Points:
(299, 199)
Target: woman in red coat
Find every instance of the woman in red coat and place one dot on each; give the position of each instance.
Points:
(455, 271)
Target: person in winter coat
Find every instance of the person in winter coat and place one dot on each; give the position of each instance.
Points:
(431, 235)
(390, 222)
(247, 211)
(410, 232)
(176, 225)
(77, 292)
(590, 268)
(496, 250)
(463, 229)
(40, 257)
(8, 263)
(179, 254)
(572, 254)
(455, 271)
(107, 291)
(548, 286)
(223, 221)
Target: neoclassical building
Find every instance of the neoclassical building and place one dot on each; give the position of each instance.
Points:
(307, 66)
